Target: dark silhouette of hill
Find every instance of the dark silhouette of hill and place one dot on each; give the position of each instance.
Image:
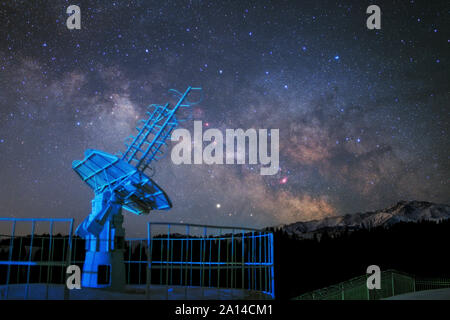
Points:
(402, 211)
(302, 265)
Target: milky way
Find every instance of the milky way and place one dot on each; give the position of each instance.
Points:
(363, 114)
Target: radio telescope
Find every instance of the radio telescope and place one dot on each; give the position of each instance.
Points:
(120, 182)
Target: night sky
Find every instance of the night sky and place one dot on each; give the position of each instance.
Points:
(363, 114)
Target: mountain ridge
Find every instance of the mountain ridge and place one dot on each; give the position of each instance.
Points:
(402, 211)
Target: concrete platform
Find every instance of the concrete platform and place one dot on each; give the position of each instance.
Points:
(436, 294)
(132, 292)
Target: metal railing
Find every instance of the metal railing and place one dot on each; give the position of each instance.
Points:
(26, 258)
(173, 255)
(393, 283)
(218, 257)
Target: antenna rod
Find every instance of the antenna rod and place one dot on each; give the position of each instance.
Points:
(163, 127)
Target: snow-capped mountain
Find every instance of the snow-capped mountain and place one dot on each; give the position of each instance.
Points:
(403, 211)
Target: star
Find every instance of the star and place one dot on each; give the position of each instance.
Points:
(260, 67)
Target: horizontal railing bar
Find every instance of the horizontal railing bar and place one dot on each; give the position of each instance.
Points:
(237, 229)
(202, 263)
(221, 268)
(63, 263)
(201, 238)
(36, 219)
(34, 263)
(145, 239)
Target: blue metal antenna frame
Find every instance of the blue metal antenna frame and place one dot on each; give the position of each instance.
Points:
(140, 194)
(122, 183)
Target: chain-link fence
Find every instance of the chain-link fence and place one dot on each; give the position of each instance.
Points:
(393, 283)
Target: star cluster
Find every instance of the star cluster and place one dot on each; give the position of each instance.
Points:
(363, 114)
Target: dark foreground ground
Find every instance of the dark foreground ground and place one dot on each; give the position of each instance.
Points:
(135, 292)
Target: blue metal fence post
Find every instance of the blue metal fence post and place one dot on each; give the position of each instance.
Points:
(243, 260)
(272, 266)
(149, 259)
(50, 248)
(29, 259)
(167, 261)
(69, 259)
(11, 247)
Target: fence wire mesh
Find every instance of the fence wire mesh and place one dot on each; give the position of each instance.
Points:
(392, 282)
